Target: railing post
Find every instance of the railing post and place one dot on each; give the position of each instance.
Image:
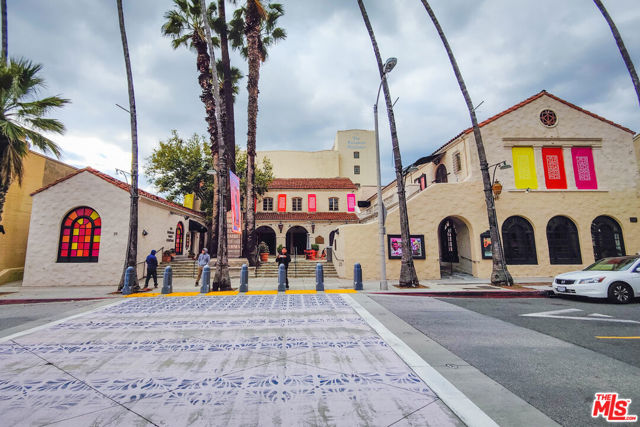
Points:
(357, 277)
(244, 278)
(282, 274)
(128, 281)
(319, 277)
(206, 278)
(167, 280)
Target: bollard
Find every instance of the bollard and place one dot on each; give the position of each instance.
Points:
(244, 278)
(357, 277)
(206, 278)
(319, 277)
(282, 274)
(167, 281)
(128, 281)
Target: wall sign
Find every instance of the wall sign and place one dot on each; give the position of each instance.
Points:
(583, 168)
(394, 246)
(485, 245)
(351, 202)
(282, 202)
(524, 167)
(311, 202)
(553, 161)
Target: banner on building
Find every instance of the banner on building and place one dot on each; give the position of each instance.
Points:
(188, 200)
(282, 202)
(554, 174)
(583, 168)
(312, 202)
(351, 202)
(236, 215)
(524, 167)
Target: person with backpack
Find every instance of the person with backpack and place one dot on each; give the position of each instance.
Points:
(152, 269)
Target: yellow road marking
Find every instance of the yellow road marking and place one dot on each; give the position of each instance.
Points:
(182, 294)
(222, 293)
(261, 293)
(138, 295)
(619, 338)
(302, 291)
(340, 291)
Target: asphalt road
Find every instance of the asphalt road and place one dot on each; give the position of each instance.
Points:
(555, 364)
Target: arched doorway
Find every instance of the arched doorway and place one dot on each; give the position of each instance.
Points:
(606, 235)
(296, 240)
(179, 238)
(564, 245)
(268, 235)
(455, 246)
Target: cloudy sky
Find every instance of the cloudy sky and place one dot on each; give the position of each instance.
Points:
(323, 77)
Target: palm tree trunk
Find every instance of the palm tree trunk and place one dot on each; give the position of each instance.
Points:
(5, 30)
(132, 245)
(254, 57)
(408, 276)
(227, 91)
(4, 189)
(499, 275)
(621, 47)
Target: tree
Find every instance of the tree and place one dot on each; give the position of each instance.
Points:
(253, 30)
(228, 118)
(5, 43)
(408, 276)
(132, 242)
(621, 47)
(263, 175)
(22, 118)
(499, 275)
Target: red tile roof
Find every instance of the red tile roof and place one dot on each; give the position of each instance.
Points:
(306, 216)
(312, 184)
(122, 185)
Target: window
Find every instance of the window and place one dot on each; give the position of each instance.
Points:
(441, 174)
(179, 238)
(296, 204)
(519, 242)
(548, 118)
(457, 162)
(333, 203)
(80, 236)
(356, 170)
(267, 204)
(562, 237)
(607, 239)
(356, 154)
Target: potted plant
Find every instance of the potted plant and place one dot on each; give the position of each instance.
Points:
(166, 256)
(315, 247)
(280, 248)
(263, 250)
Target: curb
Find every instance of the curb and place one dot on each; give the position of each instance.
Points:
(472, 294)
(38, 300)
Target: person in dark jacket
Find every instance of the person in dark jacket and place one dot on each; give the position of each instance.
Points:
(152, 269)
(284, 258)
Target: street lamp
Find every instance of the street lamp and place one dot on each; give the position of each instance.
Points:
(388, 66)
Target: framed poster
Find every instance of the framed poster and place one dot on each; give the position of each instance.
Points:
(485, 245)
(394, 245)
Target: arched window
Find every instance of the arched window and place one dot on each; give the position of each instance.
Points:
(179, 238)
(80, 236)
(267, 204)
(564, 245)
(519, 242)
(606, 235)
(448, 242)
(441, 174)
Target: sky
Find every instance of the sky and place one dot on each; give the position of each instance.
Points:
(323, 77)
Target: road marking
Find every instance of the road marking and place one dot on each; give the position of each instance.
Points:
(619, 338)
(556, 314)
(599, 315)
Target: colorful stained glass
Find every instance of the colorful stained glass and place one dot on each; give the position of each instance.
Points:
(83, 227)
(179, 238)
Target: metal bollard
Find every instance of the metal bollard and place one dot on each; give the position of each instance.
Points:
(167, 280)
(206, 278)
(129, 281)
(319, 277)
(357, 276)
(244, 278)
(282, 274)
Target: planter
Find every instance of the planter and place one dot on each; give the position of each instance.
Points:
(166, 258)
(264, 257)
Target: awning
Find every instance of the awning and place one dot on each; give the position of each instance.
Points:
(196, 226)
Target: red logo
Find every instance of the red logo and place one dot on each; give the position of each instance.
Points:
(611, 408)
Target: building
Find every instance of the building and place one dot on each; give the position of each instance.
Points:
(39, 171)
(79, 230)
(569, 195)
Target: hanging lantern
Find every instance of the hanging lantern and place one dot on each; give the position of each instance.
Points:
(497, 189)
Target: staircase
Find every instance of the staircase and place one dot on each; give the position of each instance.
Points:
(302, 268)
(183, 267)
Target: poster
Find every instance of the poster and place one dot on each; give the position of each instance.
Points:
(188, 200)
(485, 245)
(524, 167)
(583, 168)
(312, 202)
(554, 175)
(282, 202)
(236, 216)
(394, 242)
(351, 202)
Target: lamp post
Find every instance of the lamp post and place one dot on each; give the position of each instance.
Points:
(502, 165)
(388, 66)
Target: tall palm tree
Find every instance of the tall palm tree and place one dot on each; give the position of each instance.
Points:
(5, 44)
(253, 29)
(621, 47)
(132, 242)
(408, 276)
(22, 118)
(499, 274)
(228, 117)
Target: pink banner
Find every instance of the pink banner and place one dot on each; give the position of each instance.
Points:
(312, 203)
(583, 168)
(236, 215)
(351, 202)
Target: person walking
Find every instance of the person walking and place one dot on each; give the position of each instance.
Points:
(284, 258)
(203, 259)
(152, 269)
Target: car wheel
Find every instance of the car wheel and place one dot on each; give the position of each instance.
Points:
(620, 293)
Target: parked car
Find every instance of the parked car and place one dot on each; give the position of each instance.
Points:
(617, 279)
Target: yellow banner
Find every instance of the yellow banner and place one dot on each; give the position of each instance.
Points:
(188, 200)
(524, 167)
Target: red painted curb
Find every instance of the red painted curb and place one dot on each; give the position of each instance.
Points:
(39, 300)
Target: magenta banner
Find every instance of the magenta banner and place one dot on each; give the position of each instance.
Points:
(583, 168)
(351, 202)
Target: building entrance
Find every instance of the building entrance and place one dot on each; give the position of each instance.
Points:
(296, 240)
(455, 246)
(268, 235)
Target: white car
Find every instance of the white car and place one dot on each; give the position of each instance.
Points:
(617, 279)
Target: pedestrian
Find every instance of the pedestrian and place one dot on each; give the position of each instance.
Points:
(203, 259)
(284, 258)
(152, 269)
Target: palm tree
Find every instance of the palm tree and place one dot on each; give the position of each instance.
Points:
(253, 30)
(621, 47)
(499, 275)
(408, 276)
(132, 242)
(22, 118)
(228, 118)
(5, 45)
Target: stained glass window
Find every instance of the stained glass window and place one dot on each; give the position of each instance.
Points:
(80, 236)
(179, 237)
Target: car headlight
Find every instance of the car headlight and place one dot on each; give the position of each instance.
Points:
(592, 280)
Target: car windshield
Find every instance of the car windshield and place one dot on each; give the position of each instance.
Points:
(612, 264)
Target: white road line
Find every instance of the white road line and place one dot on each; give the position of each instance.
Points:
(598, 315)
(555, 314)
(460, 404)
